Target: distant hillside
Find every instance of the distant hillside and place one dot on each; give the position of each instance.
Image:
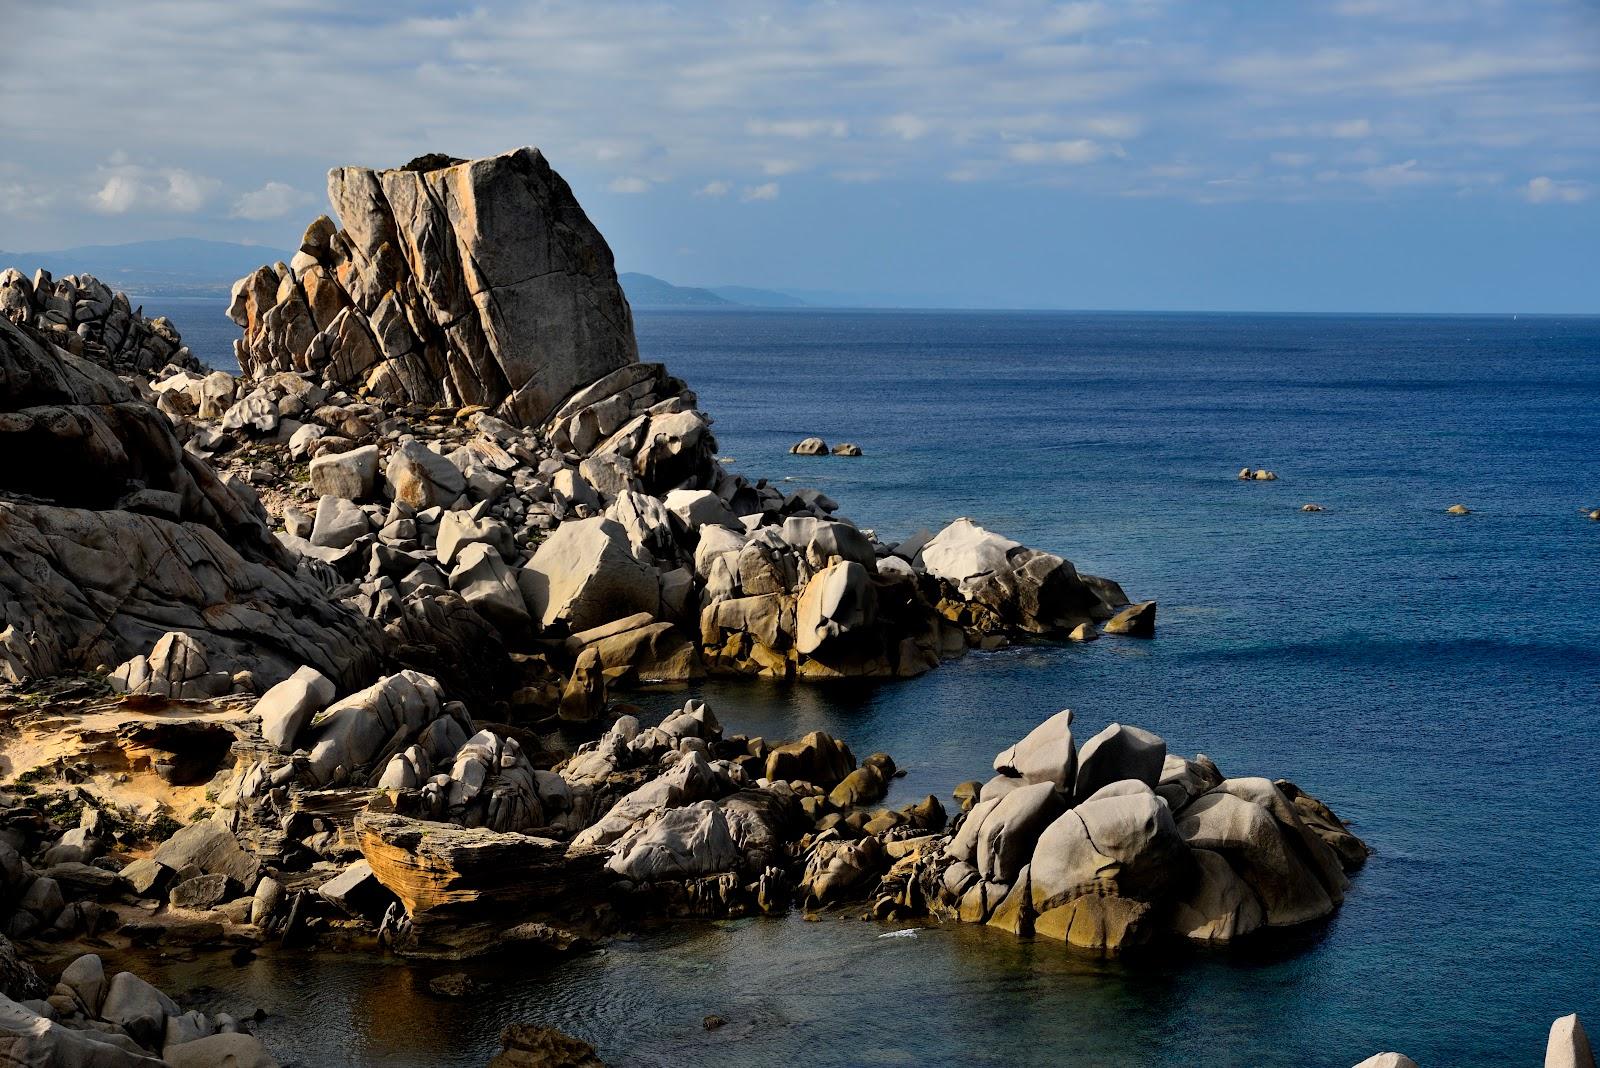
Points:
(177, 266)
(758, 298)
(648, 291)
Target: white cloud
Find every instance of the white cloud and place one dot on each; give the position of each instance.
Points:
(120, 193)
(716, 188)
(126, 187)
(907, 127)
(1293, 159)
(799, 129)
(764, 191)
(22, 199)
(1396, 175)
(274, 200)
(1078, 17)
(1544, 190)
(1076, 152)
(698, 94)
(1116, 127)
(629, 184)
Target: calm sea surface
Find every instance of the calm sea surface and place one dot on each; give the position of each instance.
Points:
(1436, 679)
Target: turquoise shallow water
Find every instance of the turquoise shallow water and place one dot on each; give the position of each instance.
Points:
(1433, 678)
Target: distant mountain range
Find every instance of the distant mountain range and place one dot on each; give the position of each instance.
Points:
(178, 266)
(186, 266)
(648, 291)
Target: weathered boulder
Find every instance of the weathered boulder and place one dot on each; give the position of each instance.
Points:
(964, 552)
(809, 447)
(418, 476)
(488, 585)
(439, 870)
(1258, 849)
(1121, 842)
(817, 758)
(837, 601)
(837, 869)
(350, 475)
(352, 732)
(176, 667)
(586, 573)
(211, 847)
(1219, 906)
(286, 708)
(1046, 754)
(530, 1046)
(138, 1008)
(652, 651)
(684, 843)
(1117, 753)
(199, 893)
(1568, 1045)
(357, 892)
(1011, 830)
(1135, 621)
(338, 523)
(27, 1038)
(467, 282)
(85, 976)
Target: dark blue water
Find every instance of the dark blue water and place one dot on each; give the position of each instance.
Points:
(1434, 678)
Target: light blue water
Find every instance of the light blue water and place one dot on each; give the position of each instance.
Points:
(1433, 678)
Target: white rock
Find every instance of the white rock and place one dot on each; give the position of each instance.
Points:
(288, 707)
(586, 573)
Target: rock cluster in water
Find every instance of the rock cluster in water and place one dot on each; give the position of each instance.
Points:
(585, 534)
(1119, 843)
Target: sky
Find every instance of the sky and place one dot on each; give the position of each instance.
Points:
(1346, 155)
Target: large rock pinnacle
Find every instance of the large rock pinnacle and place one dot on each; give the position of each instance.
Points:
(453, 282)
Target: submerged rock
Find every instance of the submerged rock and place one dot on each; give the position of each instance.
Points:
(1135, 621)
(531, 1046)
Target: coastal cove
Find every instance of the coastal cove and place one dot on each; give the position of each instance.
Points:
(1431, 677)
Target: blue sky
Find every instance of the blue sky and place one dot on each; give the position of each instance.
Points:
(1431, 155)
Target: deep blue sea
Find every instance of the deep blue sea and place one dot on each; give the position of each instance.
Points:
(1436, 679)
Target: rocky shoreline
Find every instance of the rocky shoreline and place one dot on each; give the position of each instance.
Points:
(284, 657)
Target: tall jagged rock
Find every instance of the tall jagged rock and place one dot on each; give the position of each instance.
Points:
(459, 282)
(112, 535)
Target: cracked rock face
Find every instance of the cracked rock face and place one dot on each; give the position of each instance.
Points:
(477, 282)
(112, 536)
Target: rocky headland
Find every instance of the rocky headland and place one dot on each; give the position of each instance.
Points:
(286, 655)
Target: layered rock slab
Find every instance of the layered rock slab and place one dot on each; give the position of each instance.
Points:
(112, 536)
